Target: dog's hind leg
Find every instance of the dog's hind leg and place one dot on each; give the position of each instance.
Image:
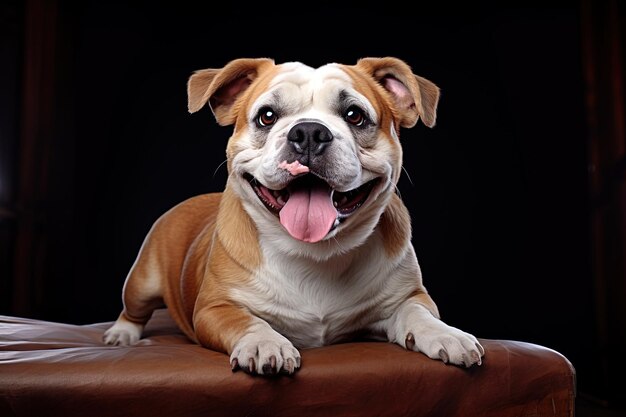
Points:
(143, 293)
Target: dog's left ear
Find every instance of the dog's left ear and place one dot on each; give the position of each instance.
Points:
(221, 87)
(413, 96)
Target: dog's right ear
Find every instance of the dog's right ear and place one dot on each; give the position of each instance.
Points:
(221, 87)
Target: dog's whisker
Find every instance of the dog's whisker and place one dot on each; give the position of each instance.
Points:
(408, 176)
(339, 245)
(395, 186)
(398, 191)
(218, 167)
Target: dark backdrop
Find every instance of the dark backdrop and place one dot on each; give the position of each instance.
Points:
(97, 143)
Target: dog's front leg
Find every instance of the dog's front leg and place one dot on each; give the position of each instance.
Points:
(415, 327)
(251, 342)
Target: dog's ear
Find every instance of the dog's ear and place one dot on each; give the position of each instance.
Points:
(221, 87)
(414, 96)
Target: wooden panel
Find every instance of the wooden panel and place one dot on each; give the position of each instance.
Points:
(603, 60)
(11, 18)
(37, 121)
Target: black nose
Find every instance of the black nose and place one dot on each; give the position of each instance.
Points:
(309, 139)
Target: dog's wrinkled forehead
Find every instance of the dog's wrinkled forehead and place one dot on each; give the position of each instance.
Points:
(308, 77)
(297, 87)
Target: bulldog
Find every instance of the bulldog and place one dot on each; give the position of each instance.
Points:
(309, 244)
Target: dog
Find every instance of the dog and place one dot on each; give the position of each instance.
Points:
(309, 244)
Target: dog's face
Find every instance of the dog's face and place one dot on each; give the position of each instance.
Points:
(315, 153)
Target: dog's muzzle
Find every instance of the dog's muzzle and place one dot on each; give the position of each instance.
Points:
(308, 206)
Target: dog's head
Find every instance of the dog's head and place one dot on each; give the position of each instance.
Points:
(316, 150)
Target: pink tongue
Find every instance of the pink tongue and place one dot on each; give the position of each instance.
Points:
(309, 214)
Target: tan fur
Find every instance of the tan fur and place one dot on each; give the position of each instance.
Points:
(215, 225)
(237, 232)
(172, 249)
(375, 93)
(395, 227)
(260, 86)
(220, 87)
(422, 297)
(241, 106)
(424, 94)
(214, 310)
(177, 247)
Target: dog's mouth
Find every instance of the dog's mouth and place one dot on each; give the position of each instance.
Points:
(308, 207)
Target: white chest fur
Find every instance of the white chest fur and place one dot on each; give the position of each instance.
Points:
(316, 303)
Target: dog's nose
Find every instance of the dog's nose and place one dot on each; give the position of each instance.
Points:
(309, 139)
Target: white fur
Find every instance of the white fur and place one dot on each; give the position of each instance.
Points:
(123, 333)
(316, 303)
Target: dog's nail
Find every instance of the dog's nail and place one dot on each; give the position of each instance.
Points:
(234, 365)
(480, 349)
(475, 357)
(289, 366)
(298, 362)
(466, 362)
(251, 366)
(443, 355)
(410, 341)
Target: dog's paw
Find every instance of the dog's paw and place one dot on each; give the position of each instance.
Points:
(123, 333)
(447, 343)
(265, 352)
(414, 327)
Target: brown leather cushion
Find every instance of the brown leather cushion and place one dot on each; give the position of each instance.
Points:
(49, 369)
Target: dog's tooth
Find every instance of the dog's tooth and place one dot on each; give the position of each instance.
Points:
(280, 200)
(343, 199)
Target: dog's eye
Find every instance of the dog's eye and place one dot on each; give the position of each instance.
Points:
(355, 116)
(266, 117)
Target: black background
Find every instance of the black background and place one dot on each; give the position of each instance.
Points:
(497, 189)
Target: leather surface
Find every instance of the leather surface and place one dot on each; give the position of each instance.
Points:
(56, 369)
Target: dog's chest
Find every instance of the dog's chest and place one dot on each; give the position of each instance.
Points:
(316, 303)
